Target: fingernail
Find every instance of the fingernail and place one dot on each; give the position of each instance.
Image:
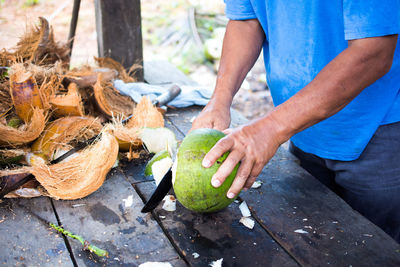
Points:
(206, 163)
(231, 195)
(215, 182)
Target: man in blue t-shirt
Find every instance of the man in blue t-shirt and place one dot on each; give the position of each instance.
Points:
(333, 69)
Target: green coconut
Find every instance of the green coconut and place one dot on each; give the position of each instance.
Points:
(192, 182)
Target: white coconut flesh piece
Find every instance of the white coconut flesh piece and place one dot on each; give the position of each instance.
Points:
(155, 264)
(160, 168)
(248, 222)
(158, 139)
(256, 184)
(217, 263)
(169, 203)
(244, 209)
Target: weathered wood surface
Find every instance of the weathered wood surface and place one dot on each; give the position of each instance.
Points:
(212, 236)
(119, 33)
(290, 199)
(218, 235)
(111, 219)
(27, 241)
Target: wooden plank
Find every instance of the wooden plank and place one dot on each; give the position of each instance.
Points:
(27, 241)
(111, 219)
(290, 199)
(218, 235)
(119, 33)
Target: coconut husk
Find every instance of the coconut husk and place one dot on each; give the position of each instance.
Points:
(110, 102)
(41, 73)
(24, 92)
(128, 138)
(25, 134)
(87, 76)
(146, 115)
(12, 156)
(6, 58)
(8, 178)
(39, 47)
(106, 62)
(5, 98)
(81, 175)
(64, 133)
(69, 104)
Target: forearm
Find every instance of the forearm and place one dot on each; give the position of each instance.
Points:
(241, 47)
(358, 66)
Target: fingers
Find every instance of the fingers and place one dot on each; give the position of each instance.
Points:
(242, 175)
(226, 168)
(222, 146)
(256, 170)
(227, 131)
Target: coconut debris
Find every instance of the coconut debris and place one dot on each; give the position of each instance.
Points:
(217, 263)
(246, 219)
(244, 209)
(155, 264)
(256, 184)
(169, 203)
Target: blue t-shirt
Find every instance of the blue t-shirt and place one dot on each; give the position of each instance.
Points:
(304, 36)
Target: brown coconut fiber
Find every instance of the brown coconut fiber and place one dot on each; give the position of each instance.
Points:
(110, 101)
(11, 137)
(81, 175)
(64, 133)
(69, 104)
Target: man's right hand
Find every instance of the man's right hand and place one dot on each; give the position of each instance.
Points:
(215, 116)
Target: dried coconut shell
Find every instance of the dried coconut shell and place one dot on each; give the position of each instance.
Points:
(110, 102)
(24, 93)
(12, 156)
(8, 178)
(39, 47)
(83, 174)
(146, 115)
(128, 138)
(25, 134)
(87, 76)
(69, 104)
(61, 133)
(106, 62)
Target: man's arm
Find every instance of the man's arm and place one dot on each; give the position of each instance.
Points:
(242, 45)
(358, 66)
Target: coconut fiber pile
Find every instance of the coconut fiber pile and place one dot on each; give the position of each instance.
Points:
(46, 109)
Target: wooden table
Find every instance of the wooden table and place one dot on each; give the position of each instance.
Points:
(288, 200)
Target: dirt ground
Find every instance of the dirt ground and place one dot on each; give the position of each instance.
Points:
(252, 100)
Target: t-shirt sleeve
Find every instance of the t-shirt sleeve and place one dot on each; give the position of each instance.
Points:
(239, 9)
(370, 18)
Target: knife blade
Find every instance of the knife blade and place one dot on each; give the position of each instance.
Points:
(161, 191)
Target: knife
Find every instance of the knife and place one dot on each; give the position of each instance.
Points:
(6, 187)
(163, 187)
(161, 191)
